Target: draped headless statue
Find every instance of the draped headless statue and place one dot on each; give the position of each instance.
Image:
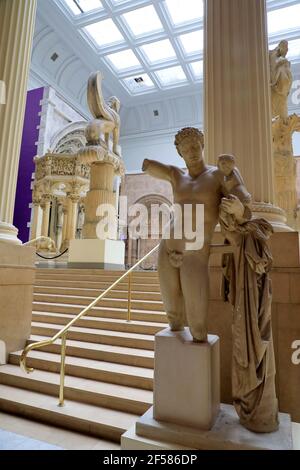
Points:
(281, 80)
(184, 277)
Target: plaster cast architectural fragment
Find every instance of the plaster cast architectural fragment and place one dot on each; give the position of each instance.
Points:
(283, 128)
(237, 107)
(107, 118)
(285, 166)
(99, 231)
(281, 80)
(15, 42)
(183, 272)
(104, 163)
(61, 181)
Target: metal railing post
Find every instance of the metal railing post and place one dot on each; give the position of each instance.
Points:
(129, 298)
(62, 369)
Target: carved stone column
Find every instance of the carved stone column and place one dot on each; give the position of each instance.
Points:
(65, 224)
(45, 205)
(35, 218)
(17, 19)
(237, 97)
(73, 199)
(104, 167)
(59, 223)
(104, 250)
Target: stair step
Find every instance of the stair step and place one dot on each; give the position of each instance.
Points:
(106, 272)
(56, 274)
(112, 324)
(96, 285)
(93, 293)
(101, 311)
(100, 352)
(120, 374)
(119, 397)
(106, 302)
(114, 338)
(82, 417)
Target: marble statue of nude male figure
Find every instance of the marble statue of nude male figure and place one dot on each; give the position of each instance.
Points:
(183, 273)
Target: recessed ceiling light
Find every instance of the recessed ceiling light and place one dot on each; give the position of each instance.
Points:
(83, 6)
(143, 21)
(171, 76)
(54, 56)
(139, 84)
(284, 19)
(192, 43)
(158, 51)
(123, 60)
(197, 69)
(104, 33)
(185, 11)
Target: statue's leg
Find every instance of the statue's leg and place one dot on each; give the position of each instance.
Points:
(116, 138)
(195, 287)
(106, 136)
(169, 278)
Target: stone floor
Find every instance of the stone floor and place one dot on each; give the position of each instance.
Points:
(18, 433)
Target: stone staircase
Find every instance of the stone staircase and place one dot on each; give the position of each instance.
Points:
(109, 362)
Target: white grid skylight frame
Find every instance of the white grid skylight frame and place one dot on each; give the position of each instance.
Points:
(115, 9)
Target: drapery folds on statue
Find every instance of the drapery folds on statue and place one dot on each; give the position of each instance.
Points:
(247, 286)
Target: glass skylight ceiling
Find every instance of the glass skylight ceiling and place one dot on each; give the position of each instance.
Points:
(185, 11)
(83, 6)
(105, 33)
(192, 42)
(123, 60)
(197, 69)
(143, 20)
(159, 45)
(158, 51)
(284, 19)
(139, 83)
(171, 76)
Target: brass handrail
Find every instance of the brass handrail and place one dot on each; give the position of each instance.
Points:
(63, 332)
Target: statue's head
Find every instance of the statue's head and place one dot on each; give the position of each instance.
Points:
(283, 48)
(226, 164)
(189, 143)
(114, 103)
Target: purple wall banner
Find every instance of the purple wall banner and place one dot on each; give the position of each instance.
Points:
(32, 120)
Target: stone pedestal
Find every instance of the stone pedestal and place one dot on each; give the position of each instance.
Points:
(186, 379)
(94, 253)
(226, 434)
(17, 273)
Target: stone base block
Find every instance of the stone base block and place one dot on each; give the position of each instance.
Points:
(17, 274)
(95, 253)
(186, 379)
(226, 434)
